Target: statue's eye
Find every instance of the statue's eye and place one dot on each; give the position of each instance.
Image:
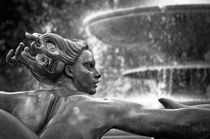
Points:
(89, 65)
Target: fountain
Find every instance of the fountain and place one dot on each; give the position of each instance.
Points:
(162, 50)
(168, 44)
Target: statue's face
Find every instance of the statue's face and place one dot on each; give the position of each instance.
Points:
(85, 75)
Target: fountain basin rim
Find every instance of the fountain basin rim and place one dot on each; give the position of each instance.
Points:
(105, 15)
(164, 67)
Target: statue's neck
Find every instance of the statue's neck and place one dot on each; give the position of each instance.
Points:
(65, 87)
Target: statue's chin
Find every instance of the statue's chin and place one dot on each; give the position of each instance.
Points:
(91, 92)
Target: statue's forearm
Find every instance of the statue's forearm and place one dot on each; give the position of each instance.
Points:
(207, 106)
(199, 104)
(182, 123)
(171, 104)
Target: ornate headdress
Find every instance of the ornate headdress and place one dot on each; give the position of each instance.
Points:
(47, 60)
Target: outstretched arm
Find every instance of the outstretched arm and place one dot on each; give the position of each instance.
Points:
(178, 123)
(170, 104)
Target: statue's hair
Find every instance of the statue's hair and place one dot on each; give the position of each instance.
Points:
(65, 50)
(48, 60)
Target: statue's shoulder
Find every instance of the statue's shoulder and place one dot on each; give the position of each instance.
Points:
(40, 94)
(90, 102)
(81, 99)
(30, 107)
(32, 93)
(93, 105)
(22, 97)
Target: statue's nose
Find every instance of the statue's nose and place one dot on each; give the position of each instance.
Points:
(97, 75)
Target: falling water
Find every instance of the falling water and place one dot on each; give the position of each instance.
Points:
(191, 80)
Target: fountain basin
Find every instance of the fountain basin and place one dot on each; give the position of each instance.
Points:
(154, 35)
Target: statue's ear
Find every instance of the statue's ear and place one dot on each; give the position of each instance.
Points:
(69, 71)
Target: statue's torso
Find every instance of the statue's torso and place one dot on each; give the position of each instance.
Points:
(77, 117)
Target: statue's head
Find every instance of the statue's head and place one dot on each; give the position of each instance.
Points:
(55, 57)
(47, 60)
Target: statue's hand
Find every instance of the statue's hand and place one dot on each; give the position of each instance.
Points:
(35, 44)
(170, 104)
(14, 56)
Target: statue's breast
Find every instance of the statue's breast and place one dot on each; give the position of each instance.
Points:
(33, 109)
